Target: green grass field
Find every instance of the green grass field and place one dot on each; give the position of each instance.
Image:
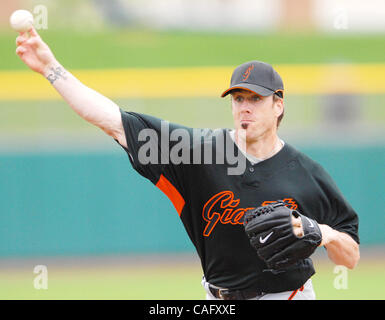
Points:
(170, 281)
(304, 111)
(141, 48)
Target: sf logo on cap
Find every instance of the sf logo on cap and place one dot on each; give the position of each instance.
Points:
(246, 74)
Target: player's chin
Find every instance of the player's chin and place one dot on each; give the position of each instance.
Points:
(250, 129)
(247, 125)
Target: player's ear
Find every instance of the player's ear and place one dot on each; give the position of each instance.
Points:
(278, 105)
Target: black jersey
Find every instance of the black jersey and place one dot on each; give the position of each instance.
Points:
(211, 203)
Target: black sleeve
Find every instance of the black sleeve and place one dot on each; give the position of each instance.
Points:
(133, 124)
(154, 148)
(149, 145)
(338, 214)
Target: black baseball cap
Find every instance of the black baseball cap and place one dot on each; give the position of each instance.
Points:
(258, 77)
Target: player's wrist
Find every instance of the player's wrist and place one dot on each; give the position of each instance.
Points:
(328, 234)
(54, 72)
(49, 67)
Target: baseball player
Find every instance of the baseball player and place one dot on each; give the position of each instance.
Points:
(254, 230)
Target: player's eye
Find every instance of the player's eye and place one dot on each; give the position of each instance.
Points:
(238, 99)
(256, 98)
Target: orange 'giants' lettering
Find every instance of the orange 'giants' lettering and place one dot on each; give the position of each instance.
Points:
(221, 208)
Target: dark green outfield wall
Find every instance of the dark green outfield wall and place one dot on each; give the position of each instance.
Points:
(69, 204)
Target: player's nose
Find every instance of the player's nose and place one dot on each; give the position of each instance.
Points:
(245, 106)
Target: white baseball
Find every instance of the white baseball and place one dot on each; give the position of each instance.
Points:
(21, 20)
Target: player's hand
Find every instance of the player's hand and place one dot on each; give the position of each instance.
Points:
(34, 52)
(297, 226)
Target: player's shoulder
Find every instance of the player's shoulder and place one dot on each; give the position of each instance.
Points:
(310, 164)
(145, 121)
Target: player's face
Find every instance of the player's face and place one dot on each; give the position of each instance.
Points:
(255, 114)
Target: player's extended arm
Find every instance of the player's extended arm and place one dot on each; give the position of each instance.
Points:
(89, 104)
(341, 247)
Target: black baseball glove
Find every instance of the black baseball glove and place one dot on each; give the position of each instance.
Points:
(270, 231)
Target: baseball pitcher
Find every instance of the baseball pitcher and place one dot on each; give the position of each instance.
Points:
(254, 230)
